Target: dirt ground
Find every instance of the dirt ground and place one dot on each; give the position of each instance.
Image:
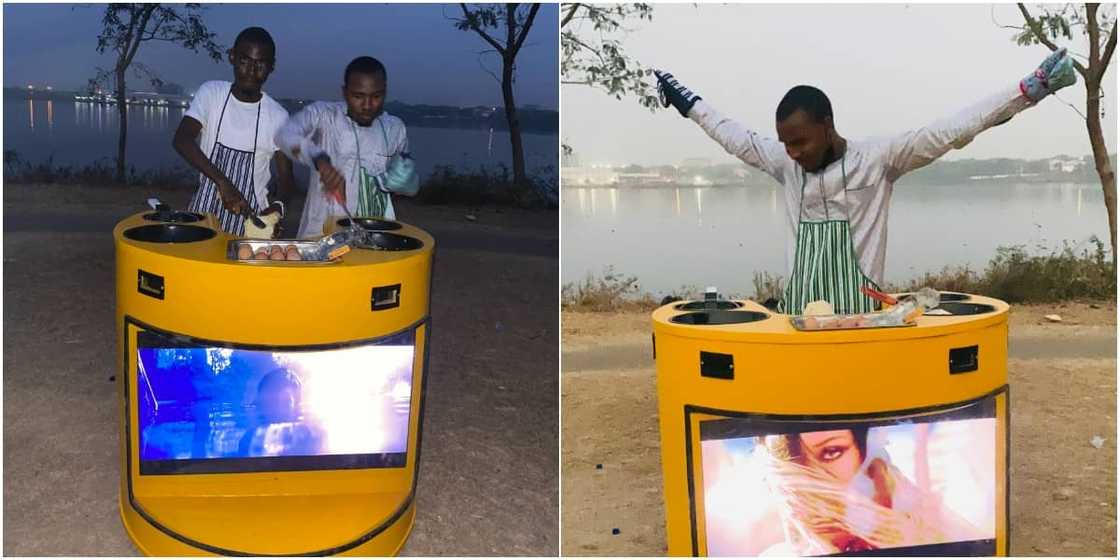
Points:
(488, 474)
(1063, 391)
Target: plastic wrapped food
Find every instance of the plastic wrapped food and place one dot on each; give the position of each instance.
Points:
(819, 307)
(905, 313)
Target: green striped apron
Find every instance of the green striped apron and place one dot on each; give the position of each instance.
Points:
(825, 265)
(372, 199)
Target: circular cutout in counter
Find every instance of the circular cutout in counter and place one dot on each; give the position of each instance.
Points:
(174, 217)
(958, 308)
(382, 241)
(718, 317)
(702, 305)
(370, 224)
(169, 233)
(945, 296)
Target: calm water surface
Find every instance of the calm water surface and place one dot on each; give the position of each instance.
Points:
(705, 236)
(74, 133)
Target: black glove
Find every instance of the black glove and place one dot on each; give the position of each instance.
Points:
(673, 93)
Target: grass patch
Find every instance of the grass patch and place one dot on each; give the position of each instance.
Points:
(100, 173)
(491, 186)
(1013, 275)
(610, 292)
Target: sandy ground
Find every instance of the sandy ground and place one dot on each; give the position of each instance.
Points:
(488, 474)
(1063, 390)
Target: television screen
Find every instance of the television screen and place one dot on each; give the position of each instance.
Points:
(208, 409)
(914, 485)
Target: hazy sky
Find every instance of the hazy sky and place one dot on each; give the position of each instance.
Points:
(886, 68)
(429, 61)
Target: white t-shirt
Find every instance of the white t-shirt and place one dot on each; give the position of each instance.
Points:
(238, 127)
(857, 187)
(324, 127)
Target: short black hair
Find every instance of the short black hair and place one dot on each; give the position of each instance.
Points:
(364, 65)
(807, 98)
(258, 36)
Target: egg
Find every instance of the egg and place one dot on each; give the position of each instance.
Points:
(276, 253)
(245, 252)
(292, 253)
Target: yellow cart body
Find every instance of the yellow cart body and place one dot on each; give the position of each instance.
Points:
(190, 290)
(740, 364)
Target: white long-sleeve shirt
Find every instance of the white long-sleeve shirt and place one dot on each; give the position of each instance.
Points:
(324, 127)
(871, 167)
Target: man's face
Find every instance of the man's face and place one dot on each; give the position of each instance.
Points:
(365, 96)
(806, 141)
(252, 64)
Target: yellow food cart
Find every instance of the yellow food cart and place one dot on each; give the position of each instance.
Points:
(776, 440)
(269, 407)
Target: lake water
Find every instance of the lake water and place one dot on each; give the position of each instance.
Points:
(80, 133)
(706, 236)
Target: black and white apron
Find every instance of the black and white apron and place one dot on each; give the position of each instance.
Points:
(238, 167)
(825, 264)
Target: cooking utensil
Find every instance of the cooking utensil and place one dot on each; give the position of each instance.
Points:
(355, 229)
(878, 296)
(253, 217)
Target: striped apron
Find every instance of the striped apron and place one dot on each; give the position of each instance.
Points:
(372, 199)
(825, 265)
(237, 166)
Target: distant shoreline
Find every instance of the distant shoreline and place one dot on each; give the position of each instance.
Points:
(533, 120)
(773, 185)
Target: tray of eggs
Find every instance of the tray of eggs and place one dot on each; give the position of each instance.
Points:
(260, 251)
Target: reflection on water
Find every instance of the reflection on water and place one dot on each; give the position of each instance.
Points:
(91, 135)
(722, 236)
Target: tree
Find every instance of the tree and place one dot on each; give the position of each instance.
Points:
(1055, 20)
(515, 20)
(125, 27)
(595, 58)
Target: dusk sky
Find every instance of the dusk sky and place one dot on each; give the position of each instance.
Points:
(428, 59)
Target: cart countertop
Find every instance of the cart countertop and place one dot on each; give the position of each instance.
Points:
(776, 328)
(214, 250)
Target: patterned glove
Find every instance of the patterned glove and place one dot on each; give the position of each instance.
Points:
(401, 177)
(1056, 72)
(673, 93)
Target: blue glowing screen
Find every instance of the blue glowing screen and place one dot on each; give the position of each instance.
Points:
(204, 408)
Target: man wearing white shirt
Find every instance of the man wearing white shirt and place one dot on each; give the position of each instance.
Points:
(838, 191)
(358, 153)
(227, 135)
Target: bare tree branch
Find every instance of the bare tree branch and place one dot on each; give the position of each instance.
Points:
(145, 15)
(473, 24)
(573, 8)
(1094, 34)
(525, 28)
(1108, 49)
(483, 66)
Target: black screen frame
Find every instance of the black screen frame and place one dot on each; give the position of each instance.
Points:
(241, 465)
(807, 423)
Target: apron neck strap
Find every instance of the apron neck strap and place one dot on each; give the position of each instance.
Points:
(222, 116)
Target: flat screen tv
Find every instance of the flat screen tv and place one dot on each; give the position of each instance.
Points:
(208, 408)
(923, 484)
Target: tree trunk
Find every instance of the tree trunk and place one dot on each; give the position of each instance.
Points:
(122, 108)
(514, 124)
(1100, 155)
